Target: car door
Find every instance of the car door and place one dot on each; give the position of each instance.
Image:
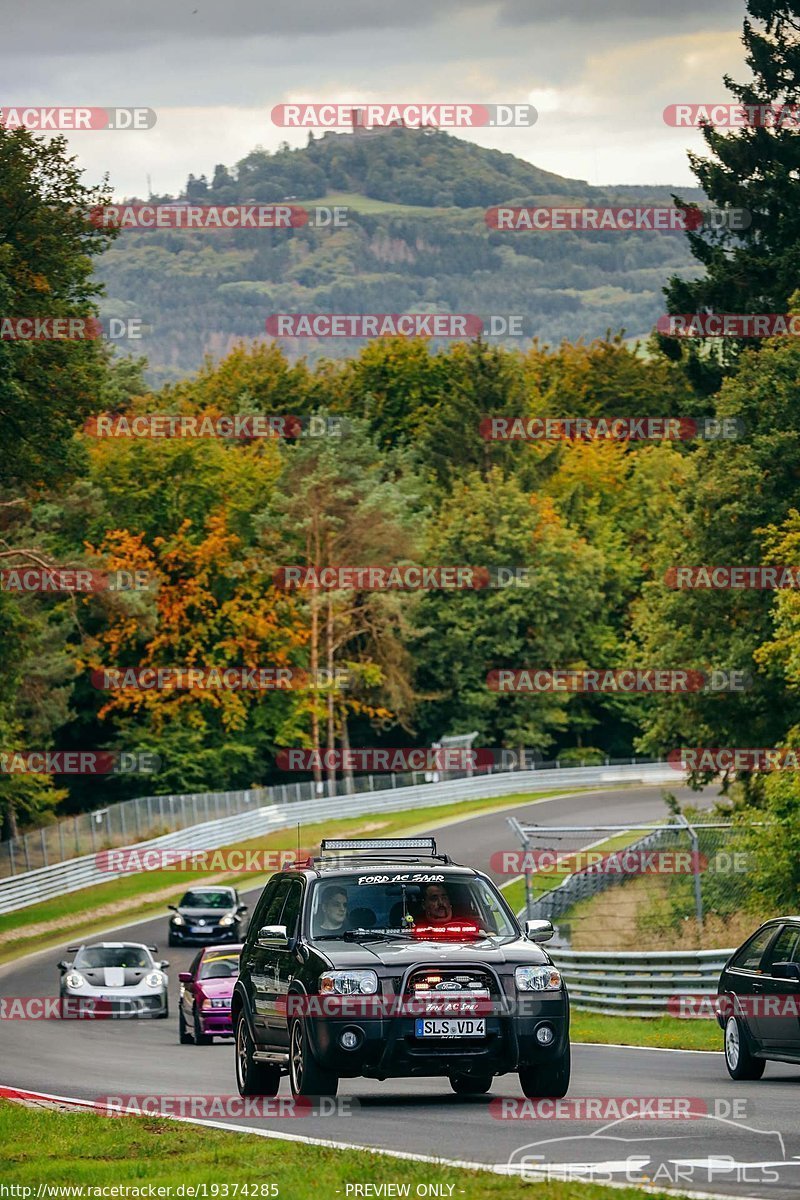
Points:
(187, 989)
(262, 963)
(778, 1020)
(286, 962)
(745, 977)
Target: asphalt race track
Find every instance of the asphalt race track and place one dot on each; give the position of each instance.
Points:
(746, 1144)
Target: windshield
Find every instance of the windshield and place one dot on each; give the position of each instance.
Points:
(410, 904)
(114, 956)
(219, 966)
(207, 900)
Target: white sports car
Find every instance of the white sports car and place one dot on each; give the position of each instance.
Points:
(114, 979)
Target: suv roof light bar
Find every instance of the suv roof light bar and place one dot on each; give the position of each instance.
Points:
(422, 845)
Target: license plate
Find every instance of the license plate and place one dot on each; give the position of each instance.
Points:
(453, 1027)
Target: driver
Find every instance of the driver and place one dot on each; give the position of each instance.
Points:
(437, 907)
(333, 909)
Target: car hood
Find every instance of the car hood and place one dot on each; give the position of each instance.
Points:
(217, 989)
(114, 977)
(399, 955)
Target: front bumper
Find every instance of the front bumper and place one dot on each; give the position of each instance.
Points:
(216, 1022)
(103, 1003)
(388, 1047)
(204, 937)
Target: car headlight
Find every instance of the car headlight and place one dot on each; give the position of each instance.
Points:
(177, 920)
(74, 980)
(348, 983)
(216, 1003)
(227, 920)
(537, 979)
(154, 979)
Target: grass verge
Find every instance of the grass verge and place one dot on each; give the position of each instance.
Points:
(670, 1033)
(93, 909)
(43, 1146)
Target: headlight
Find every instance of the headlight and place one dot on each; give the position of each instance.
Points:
(177, 920)
(227, 920)
(537, 979)
(154, 979)
(221, 1003)
(348, 983)
(74, 980)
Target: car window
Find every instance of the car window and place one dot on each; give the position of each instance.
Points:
(273, 909)
(114, 956)
(264, 900)
(291, 909)
(198, 899)
(219, 966)
(786, 947)
(749, 957)
(196, 962)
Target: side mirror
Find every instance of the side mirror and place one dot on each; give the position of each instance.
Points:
(164, 964)
(242, 908)
(174, 907)
(786, 970)
(184, 976)
(63, 965)
(539, 931)
(273, 936)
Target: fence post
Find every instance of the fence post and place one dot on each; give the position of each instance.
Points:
(122, 826)
(61, 840)
(44, 848)
(77, 837)
(11, 856)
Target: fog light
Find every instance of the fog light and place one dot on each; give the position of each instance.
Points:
(544, 1035)
(349, 1039)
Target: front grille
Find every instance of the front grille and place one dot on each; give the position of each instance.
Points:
(456, 983)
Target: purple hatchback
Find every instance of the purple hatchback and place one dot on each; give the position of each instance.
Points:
(204, 1006)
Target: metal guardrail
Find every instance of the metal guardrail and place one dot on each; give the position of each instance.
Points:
(19, 891)
(626, 983)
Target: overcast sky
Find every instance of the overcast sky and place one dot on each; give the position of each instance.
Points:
(600, 74)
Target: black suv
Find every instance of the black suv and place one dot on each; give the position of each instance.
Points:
(758, 1004)
(205, 916)
(377, 960)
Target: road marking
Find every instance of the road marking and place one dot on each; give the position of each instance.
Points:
(660, 1049)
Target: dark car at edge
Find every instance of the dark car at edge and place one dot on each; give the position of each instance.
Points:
(758, 999)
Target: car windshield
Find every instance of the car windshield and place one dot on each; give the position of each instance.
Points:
(207, 900)
(114, 956)
(219, 966)
(421, 904)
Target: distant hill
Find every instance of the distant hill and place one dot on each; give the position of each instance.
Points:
(416, 240)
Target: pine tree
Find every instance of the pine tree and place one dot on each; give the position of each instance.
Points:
(756, 168)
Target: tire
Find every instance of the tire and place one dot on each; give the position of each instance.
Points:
(471, 1085)
(200, 1038)
(550, 1079)
(252, 1078)
(184, 1037)
(306, 1076)
(740, 1062)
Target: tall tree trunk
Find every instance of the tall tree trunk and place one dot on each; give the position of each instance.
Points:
(314, 648)
(330, 696)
